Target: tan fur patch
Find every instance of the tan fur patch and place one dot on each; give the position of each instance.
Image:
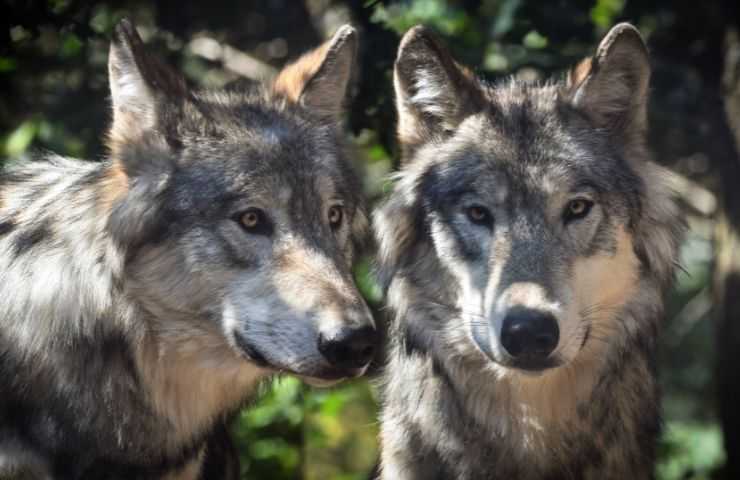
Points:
(193, 376)
(607, 280)
(127, 127)
(578, 74)
(302, 266)
(113, 186)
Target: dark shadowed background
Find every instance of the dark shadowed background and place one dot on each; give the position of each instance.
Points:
(54, 88)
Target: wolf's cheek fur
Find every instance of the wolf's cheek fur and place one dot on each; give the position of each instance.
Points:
(607, 280)
(603, 283)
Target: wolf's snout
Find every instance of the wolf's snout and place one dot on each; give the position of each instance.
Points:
(529, 336)
(349, 348)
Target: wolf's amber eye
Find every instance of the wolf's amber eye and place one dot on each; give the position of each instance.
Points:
(254, 221)
(336, 214)
(250, 219)
(577, 209)
(479, 215)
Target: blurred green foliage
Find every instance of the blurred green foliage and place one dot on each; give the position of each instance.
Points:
(53, 79)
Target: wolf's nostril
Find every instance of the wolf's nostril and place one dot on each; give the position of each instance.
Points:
(367, 352)
(529, 333)
(349, 348)
(543, 342)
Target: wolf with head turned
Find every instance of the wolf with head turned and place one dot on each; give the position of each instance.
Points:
(525, 250)
(143, 299)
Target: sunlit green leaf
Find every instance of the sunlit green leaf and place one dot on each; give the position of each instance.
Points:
(20, 139)
(496, 61)
(534, 40)
(437, 14)
(605, 11)
(693, 448)
(366, 281)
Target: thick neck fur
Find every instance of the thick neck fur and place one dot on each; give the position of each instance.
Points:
(594, 418)
(78, 330)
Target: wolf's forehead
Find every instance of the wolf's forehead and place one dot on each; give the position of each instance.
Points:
(529, 143)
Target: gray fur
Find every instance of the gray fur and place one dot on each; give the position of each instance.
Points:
(137, 314)
(455, 404)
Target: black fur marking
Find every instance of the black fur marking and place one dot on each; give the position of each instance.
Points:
(6, 227)
(222, 459)
(413, 345)
(27, 239)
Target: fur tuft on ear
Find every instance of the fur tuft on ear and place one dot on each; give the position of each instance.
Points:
(319, 80)
(434, 94)
(139, 86)
(136, 212)
(612, 87)
(398, 225)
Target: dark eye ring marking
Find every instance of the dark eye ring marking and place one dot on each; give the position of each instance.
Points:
(254, 221)
(577, 209)
(335, 216)
(479, 215)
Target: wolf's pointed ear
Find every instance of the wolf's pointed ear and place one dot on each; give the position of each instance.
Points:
(319, 80)
(612, 87)
(147, 98)
(434, 94)
(139, 86)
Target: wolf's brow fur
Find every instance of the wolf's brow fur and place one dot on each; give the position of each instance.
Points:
(523, 150)
(118, 279)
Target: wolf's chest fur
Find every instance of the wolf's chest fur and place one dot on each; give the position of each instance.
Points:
(592, 424)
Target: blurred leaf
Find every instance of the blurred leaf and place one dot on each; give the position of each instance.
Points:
(279, 402)
(19, 34)
(433, 13)
(7, 64)
(58, 6)
(19, 140)
(504, 18)
(605, 11)
(534, 40)
(689, 449)
(278, 448)
(102, 19)
(366, 281)
(71, 46)
(495, 60)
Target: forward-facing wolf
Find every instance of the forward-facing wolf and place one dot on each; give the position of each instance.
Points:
(525, 250)
(142, 299)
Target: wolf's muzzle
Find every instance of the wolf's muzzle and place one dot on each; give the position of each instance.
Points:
(349, 349)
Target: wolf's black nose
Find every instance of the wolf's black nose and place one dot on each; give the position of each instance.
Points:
(349, 348)
(529, 334)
